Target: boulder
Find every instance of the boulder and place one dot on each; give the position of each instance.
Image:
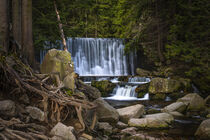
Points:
(177, 106)
(193, 101)
(105, 127)
(91, 92)
(105, 112)
(35, 113)
(176, 114)
(163, 85)
(153, 111)
(156, 121)
(134, 111)
(158, 96)
(141, 90)
(105, 87)
(203, 131)
(62, 132)
(58, 63)
(142, 72)
(121, 125)
(7, 108)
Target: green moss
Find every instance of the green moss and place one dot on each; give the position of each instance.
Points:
(68, 92)
(105, 87)
(158, 96)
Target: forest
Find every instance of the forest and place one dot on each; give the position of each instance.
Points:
(115, 69)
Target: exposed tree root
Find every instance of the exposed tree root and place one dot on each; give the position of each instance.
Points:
(54, 102)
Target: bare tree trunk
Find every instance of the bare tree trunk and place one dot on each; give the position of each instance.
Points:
(27, 41)
(4, 28)
(16, 22)
(60, 27)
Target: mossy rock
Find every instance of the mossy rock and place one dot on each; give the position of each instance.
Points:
(158, 96)
(141, 90)
(59, 64)
(164, 85)
(143, 72)
(105, 87)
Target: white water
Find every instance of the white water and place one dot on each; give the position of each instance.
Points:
(126, 93)
(98, 57)
(138, 80)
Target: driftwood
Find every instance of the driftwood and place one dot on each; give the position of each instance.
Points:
(55, 101)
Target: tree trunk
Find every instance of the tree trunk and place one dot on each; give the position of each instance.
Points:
(60, 27)
(16, 22)
(4, 28)
(27, 41)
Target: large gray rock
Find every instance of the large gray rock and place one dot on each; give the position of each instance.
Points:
(35, 113)
(177, 106)
(164, 85)
(193, 101)
(62, 132)
(203, 131)
(105, 112)
(105, 127)
(134, 111)
(154, 121)
(91, 92)
(7, 108)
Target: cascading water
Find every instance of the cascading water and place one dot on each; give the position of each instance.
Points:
(98, 57)
(126, 93)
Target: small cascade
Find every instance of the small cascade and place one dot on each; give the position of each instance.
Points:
(126, 93)
(138, 80)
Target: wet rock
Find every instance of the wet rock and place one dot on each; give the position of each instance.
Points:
(203, 131)
(60, 64)
(158, 96)
(177, 106)
(105, 87)
(141, 90)
(62, 132)
(105, 112)
(134, 111)
(163, 85)
(35, 113)
(194, 102)
(129, 131)
(156, 121)
(105, 127)
(7, 108)
(143, 72)
(91, 92)
(121, 125)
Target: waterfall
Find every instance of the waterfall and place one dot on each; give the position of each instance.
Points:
(126, 93)
(98, 56)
